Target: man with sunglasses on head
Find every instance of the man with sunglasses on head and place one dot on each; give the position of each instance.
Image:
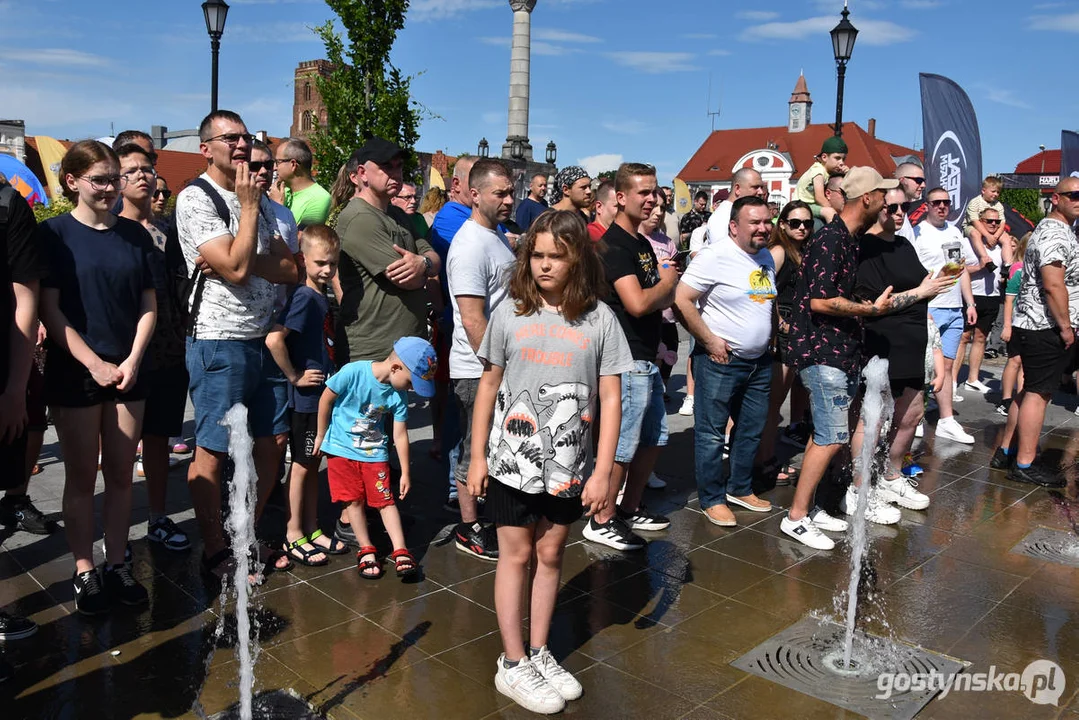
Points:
(911, 179)
(942, 249)
(227, 230)
(1046, 315)
(295, 188)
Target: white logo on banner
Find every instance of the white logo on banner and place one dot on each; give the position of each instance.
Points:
(951, 169)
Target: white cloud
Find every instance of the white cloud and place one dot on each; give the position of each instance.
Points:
(61, 57)
(870, 32)
(1006, 97)
(553, 35)
(425, 10)
(540, 44)
(654, 63)
(920, 4)
(757, 15)
(624, 127)
(595, 164)
(1060, 23)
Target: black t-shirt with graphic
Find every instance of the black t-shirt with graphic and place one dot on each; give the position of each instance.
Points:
(623, 255)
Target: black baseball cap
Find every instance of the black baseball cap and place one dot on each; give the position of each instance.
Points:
(378, 151)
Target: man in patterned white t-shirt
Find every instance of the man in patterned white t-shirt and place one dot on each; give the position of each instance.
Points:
(1046, 315)
(241, 258)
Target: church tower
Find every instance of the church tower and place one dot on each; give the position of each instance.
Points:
(800, 107)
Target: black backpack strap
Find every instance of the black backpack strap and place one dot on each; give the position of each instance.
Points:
(198, 280)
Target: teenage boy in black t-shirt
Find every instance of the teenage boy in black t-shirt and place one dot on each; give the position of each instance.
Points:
(642, 286)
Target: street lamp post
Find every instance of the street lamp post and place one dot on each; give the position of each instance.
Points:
(1042, 148)
(552, 153)
(484, 148)
(843, 36)
(215, 12)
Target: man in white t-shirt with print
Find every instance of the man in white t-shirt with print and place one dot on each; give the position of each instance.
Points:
(478, 268)
(942, 247)
(745, 183)
(227, 356)
(725, 301)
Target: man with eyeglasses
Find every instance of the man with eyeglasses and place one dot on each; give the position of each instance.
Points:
(404, 208)
(142, 140)
(231, 311)
(943, 249)
(746, 182)
(911, 179)
(725, 300)
(296, 189)
(1046, 315)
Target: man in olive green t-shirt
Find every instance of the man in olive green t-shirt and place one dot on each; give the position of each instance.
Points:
(383, 269)
(308, 201)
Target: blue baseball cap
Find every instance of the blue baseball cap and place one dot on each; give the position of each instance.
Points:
(420, 359)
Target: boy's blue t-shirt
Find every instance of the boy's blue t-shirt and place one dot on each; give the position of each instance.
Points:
(304, 315)
(355, 430)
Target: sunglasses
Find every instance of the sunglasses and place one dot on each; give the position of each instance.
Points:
(233, 139)
(257, 167)
(944, 202)
(916, 180)
(796, 224)
(894, 208)
(991, 222)
(163, 193)
(1071, 194)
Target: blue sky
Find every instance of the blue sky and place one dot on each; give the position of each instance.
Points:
(611, 79)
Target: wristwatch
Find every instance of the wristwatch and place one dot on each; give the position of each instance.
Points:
(427, 266)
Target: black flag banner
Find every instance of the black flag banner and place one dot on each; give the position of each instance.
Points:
(1069, 153)
(952, 143)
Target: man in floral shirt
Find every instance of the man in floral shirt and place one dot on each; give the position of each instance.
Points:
(694, 218)
(825, 343)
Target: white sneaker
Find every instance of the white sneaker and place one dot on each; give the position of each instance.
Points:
(977, 386)
(655, 482)
(956, 397)
(950, 429)
(901, 491)
(805, 532)
(557, 676)
(525, 686)
(920, 430)
(824, 521)
(140, 471)
(687, 406)
(877, 511)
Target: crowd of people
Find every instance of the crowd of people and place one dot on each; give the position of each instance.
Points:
(555, 323)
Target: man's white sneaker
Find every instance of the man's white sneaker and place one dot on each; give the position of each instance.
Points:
(956, 397)
(920, 430)
(655, 482)
(525, 686)
(805, 532)
(901, 491)
(557, 676)
(687, 406)
(976, 386)
(826, 522)
(950, 429)
(877, 511)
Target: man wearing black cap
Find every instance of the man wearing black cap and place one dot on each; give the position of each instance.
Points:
(383, 268)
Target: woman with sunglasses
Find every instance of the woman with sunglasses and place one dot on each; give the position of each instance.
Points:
(99, 307)
(793, 227)
(985, 283)
(160, 202)
(900, 337)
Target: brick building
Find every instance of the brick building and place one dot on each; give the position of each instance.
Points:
(308, 109)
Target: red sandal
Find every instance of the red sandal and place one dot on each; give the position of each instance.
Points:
(404, 563)
(363, 566)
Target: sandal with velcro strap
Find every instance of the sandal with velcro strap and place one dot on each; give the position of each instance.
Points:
(405, 563)
(296, 551)
(336, 547)
(363, 566)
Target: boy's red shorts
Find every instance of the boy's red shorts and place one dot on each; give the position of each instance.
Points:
(354, 481)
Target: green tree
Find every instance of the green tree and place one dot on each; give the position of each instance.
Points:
(607, 175)
(58, 206)
(364, 94)
(1027, 201)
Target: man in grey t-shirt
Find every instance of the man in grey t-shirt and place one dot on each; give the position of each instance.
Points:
(478, 268)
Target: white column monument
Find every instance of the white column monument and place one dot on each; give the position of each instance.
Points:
(517, 145)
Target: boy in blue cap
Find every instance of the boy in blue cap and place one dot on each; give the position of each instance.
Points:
(350, 432)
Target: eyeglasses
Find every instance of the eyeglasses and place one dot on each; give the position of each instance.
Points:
(942, 202)
(102, 182)
(257, 167)
(166, 193)
(915, 180)
(1072, 195)
(991, 222)
(406, 197)
(796, 224)
(233, 139)
(147, 172)
(278, 161)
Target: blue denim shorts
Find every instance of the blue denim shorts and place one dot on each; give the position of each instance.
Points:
(950, 322)
(831, 392)
(226, 372)
(644, 415)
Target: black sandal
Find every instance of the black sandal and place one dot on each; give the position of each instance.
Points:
(364, 565)
(295, 550)
(404, 563)
(336, 547)
(268, 556)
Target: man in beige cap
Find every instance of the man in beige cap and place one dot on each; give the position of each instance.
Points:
(825, 343)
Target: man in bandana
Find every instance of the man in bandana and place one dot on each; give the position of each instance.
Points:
(573, 190)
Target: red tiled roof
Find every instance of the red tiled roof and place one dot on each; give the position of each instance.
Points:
(715, 159)
(1033, 164)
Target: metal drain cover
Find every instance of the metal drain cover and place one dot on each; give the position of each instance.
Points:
(274, 705)
(1057, 546)
(798, 658)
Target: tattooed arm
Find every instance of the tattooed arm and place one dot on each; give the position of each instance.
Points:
(845, 307)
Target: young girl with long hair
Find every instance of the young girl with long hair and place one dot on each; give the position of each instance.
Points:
(547, 355)
(99, 307)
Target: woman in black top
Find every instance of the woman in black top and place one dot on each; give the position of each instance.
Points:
(793, 227)
(900, 337)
